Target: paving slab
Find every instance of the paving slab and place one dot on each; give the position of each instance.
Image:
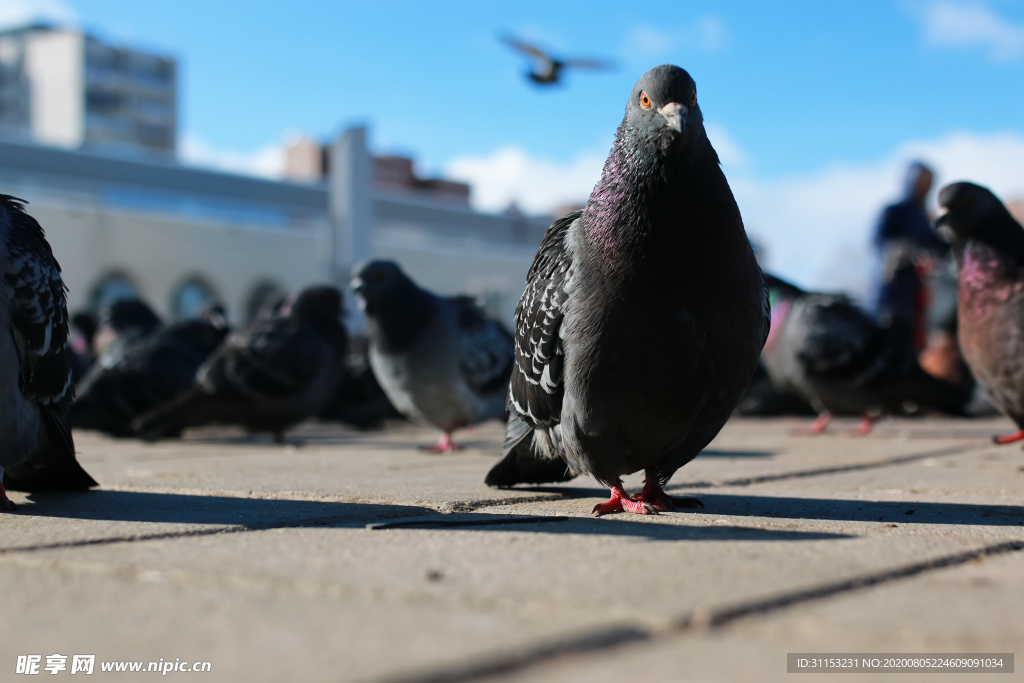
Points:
(263, 559)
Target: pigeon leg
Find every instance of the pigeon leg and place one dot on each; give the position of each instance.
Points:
(652, 494)
(866, 424)
(5, 502)
(1008, 438)
(819, 424)
(444, 445)
(620, 502)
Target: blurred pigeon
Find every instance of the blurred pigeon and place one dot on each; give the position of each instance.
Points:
(359, 401)
(36, 449)
(123, 323)
(989, 248)
(548, 70)
(272, 375)
(440, 360)
(763, 399)
(643, 314)
(828, 351)
(151, 372)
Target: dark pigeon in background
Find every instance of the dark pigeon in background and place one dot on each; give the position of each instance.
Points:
(828, 351)
(149, 373)
(548, 69)
(123, 323)
(267, 377)
(36, 449)
(643, 316)
(440, 360)
(989, 248)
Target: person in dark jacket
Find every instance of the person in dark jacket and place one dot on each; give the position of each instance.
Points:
(905, 244)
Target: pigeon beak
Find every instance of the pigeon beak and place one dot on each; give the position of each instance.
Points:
(675, 115)
(358, 286)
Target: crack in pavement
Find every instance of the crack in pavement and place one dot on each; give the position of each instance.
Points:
(605, 639)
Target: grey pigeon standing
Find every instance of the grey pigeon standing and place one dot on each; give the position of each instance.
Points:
(148, 373)
(989, 248)
(548, 70)
(440, 360)
(36, 449)
(643, 316)
(267, 377)
(828, 351)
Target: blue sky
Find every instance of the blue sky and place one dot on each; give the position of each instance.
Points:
(814, 106)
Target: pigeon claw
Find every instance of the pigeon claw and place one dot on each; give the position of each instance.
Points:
(818, 426)
(653, 495)
(443, 445)
(1008, 438)
(620, 502)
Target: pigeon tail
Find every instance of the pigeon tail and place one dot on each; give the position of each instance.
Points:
(193, 407)
(520, 464)
(929, 393)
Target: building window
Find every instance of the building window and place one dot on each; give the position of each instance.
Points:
(191, 298)
(113, 288)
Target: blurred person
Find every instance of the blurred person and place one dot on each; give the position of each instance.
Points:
(906, 247)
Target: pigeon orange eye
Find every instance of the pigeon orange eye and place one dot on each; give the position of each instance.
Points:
(693, 100)
(645, 101)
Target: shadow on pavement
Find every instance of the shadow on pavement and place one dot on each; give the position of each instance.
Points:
(177, 508)
(897, 512)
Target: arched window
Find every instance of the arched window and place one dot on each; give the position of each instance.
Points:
(191, 297)
(113, 288)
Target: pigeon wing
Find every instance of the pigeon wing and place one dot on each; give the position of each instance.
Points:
(536, 389)
(39, 316)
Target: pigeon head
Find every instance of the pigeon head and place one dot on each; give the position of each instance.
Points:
(320, 300)
(663, 107)
(969, 211)
(381, 284)
(125, 314)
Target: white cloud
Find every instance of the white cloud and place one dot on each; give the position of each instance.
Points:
(536, 185)
(817, 228)
(706, 34)
(266, 162)
(961, 24)
(16, 13)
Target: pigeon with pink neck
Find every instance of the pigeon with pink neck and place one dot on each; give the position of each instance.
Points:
(643, 315)
(989, 247)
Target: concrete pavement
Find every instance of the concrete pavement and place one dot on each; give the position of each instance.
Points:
(354, 557)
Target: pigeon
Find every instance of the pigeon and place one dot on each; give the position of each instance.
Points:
(828, 351)
(440, 360)
(82, 330)
(267, 377)
(549, 69)
(37, 452)
(643, 316)
(988, 245)
(149, 373)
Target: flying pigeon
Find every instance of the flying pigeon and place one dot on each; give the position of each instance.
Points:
(644, 313)
(989, 248)
(440, 360)
(548, 69)
(267, 377)
(828, 351)
(149, 373)
(36, 449)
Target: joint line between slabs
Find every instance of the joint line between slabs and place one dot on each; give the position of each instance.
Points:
(624, 636)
